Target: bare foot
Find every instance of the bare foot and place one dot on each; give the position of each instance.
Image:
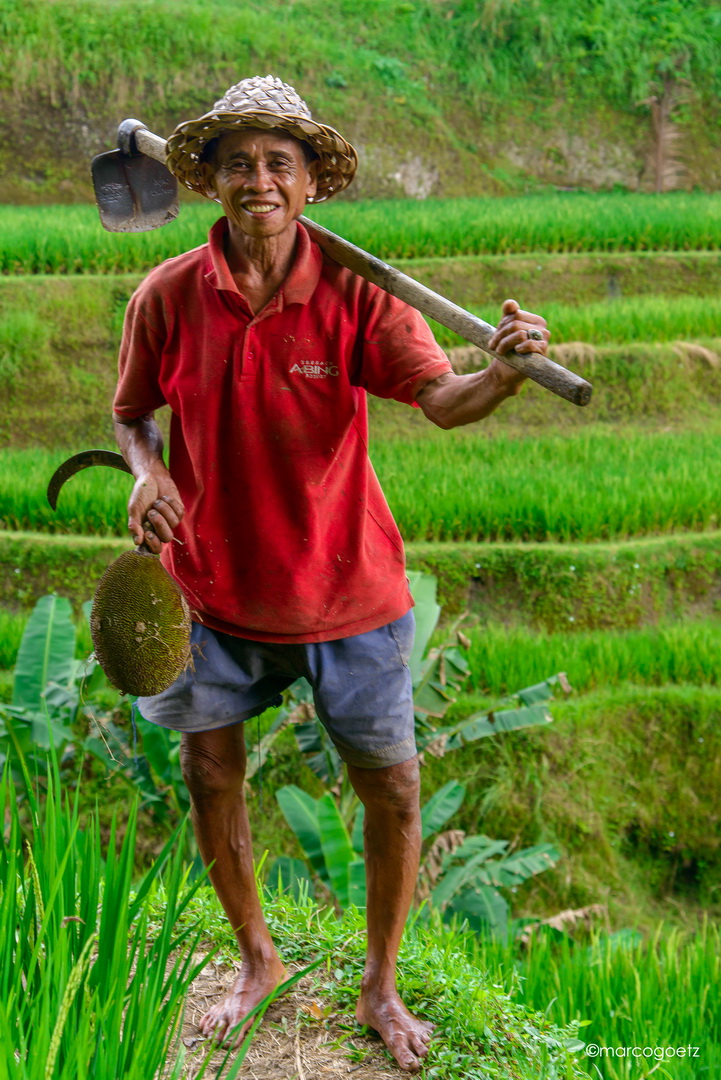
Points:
(249, 989)
(405, 1035)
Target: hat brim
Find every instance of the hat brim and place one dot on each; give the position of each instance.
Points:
(338, 159)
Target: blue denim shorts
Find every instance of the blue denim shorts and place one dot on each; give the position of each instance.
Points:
(361, 688)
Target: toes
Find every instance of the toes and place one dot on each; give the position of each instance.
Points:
(212, 1027)
(405, 1056)
(418, 1045)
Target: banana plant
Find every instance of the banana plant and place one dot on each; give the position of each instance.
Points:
(53, 691)
(50, 687)
(438, 674)
(464, 883)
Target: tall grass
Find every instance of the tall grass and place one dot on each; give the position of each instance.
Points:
(70, 239)
(589, 485)
(607, 49)
(646, 992)
(503, 659)
(593, 484)
(619, 321)
(629, 990)
(86, 987)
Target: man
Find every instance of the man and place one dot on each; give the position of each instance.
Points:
(270, 516)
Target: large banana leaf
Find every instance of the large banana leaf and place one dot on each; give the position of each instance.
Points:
(542, 691)
(518, 867)
(459, 877)
(357, 883)
(441, 806)
(258, 752)
(477, 845)
(316, 746)
(481, 725)
(427, 612)
(481, 905)
(357, 834)
(336, 846)
(476, 865)
(442, 674)
(46, 652)
(301, 813)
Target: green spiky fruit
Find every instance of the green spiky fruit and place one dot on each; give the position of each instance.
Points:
(140, 624)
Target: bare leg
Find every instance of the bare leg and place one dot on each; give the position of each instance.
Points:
(392, 851)
(213, 764)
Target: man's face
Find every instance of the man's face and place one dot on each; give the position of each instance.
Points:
(261, 179)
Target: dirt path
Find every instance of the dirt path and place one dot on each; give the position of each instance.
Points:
(296, 1040)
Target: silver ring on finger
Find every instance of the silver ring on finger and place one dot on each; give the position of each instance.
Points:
(535, 335)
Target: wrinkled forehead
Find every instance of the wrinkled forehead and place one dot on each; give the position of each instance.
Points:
(259, 143)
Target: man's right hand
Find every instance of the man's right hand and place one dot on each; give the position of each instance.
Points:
(155, 508)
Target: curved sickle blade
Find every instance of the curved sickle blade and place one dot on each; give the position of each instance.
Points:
(83, 460)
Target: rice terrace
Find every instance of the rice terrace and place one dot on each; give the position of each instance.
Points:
(565, 562)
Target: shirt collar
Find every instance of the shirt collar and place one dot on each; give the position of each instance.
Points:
(300, 283)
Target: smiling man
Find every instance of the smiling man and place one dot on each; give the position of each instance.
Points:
(269, 514)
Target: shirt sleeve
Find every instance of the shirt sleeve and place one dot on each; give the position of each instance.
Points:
(138, 390)
(399, 352)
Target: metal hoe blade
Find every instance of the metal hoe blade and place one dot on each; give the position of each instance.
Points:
(134, 192)
(83, 460)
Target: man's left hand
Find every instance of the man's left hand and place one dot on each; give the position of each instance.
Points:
(513, 330)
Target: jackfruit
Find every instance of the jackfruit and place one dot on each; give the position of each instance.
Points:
(140, 625)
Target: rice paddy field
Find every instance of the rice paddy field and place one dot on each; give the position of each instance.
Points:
(67, 240)
(583, 541)
(596, 484)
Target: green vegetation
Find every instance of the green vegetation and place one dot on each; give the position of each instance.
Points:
(561, 980)
(592, 485)
(642, 840)
(580, 978)
(618, 321)
(448, 85)
(613, 49)
(80, 957)
(503, 658)
(594, 552)
(70, 239)
(589, 485)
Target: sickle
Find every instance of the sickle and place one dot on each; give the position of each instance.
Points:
(83, 460)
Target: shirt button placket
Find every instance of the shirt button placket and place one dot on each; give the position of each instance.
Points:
(248, 368)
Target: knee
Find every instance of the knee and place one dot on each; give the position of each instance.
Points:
(207, 773)
(395, 789)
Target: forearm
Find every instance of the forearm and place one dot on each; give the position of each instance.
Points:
(155, 508)
(140, 442)
(454, 400)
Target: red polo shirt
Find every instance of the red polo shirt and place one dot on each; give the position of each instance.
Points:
(286, 536)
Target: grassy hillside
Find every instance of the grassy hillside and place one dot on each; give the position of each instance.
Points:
(583, 540)
(441, 98)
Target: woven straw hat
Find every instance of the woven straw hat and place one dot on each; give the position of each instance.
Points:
(267, 103)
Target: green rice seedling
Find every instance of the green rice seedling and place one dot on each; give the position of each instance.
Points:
(502, 659)
(80, 957)
(95, 501)
(593, 484)
(616, 321)
(69, 239)
(590, 484)
(653, 992)
(12, 624)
